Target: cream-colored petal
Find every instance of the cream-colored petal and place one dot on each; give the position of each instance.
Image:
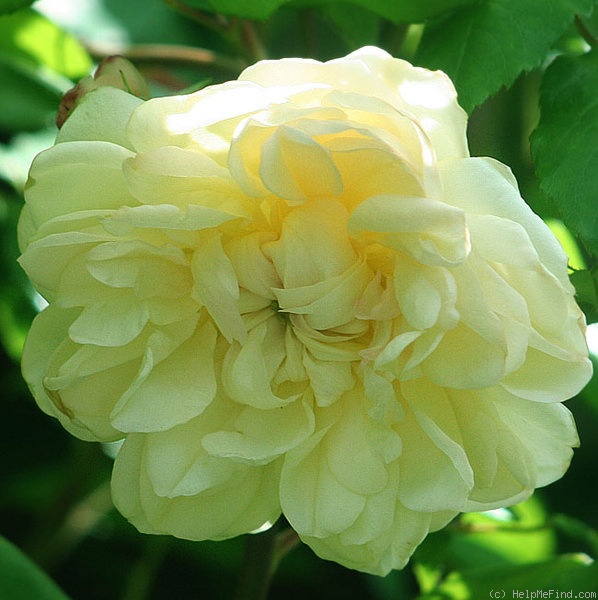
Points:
(428, 95)
(48, 331)
(165, 217)
(295, 167)
(260, 436)
(115, 320)
(314, 244)
(359, 449)
(101, 115)
(329, 303)
(172, 390)
(243, 505)
(328, 379)
(432, 467)
(483, 186)
(313, 500)
(254, 271)
(77, 176)
(545, 378)
(431, 231)
(172, 175)
(177, 120)
(177, 463)
(47, 260)
(547, 431)
(464, 359)
(215, 286)
(248, 369)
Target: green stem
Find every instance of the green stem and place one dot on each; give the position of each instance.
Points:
(257, 567)
(308, 35)
(216, 23)
(585, 33)
(254, 48)
(144, 572)
(577, 530)
(227, 28)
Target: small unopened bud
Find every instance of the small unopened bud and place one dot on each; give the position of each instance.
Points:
(114, 71)
(121, 73)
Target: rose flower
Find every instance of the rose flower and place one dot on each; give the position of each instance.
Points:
(296, 293)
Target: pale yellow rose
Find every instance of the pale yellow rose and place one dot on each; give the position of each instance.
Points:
(296, 293)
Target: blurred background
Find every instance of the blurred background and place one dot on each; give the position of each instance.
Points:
(54, 489)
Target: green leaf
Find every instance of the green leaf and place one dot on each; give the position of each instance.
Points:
(21, 579)
(26, 37)
(8, 6)
(356, 25)
(487, 539)
(586, 293)
(254, 9)
(564, 143)
(486, 46)
(394, 10)
(26, 102)
(38, 62)
(16, 305)
(397, 11)
(570, 573)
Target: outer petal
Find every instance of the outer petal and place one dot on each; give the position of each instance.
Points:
(170, 390)
(46, 341)
(240, 505)
(102, 115)
(430, 97)
(93, 172)
(483, 186)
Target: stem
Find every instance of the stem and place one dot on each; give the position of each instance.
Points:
(578, 530)
(585, 33)
(253, 44)
(286, 540)
(216, 23)
(145, 571)
(257, 568)
(170, 53)
(308, 35)
(227, 29)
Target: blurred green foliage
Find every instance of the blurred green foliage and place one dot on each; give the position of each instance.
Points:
(54, 495)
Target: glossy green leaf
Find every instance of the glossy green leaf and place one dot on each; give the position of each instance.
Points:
(486, 46)
(8, 6)
(393, 10)
(26, 37)
(21, 579)
(564, 144)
